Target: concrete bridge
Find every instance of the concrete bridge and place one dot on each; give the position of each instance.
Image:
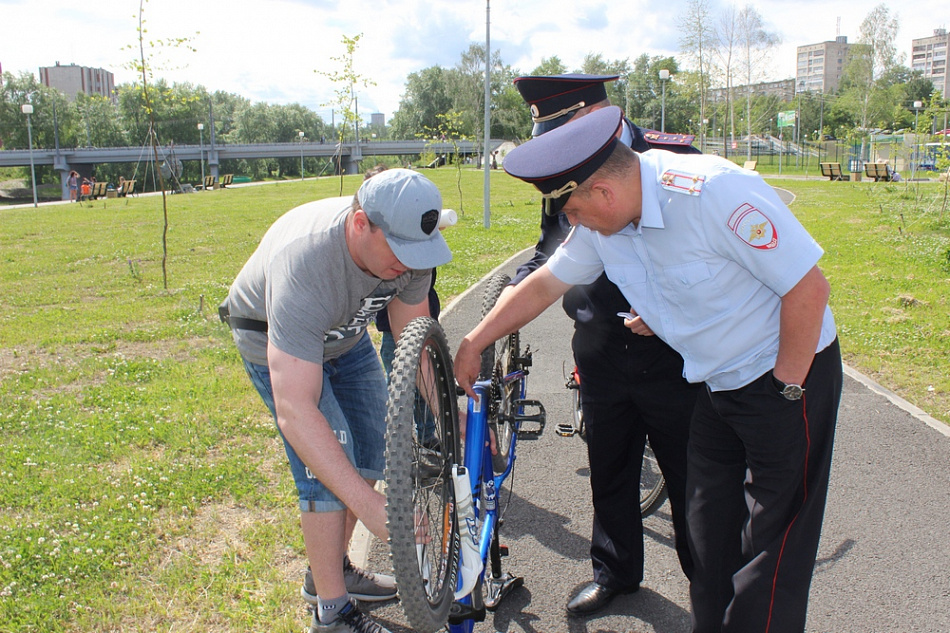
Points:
(65, 160)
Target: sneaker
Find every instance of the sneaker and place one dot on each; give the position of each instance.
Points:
(360, 584)
(349, 620)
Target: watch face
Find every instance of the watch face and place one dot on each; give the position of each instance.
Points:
(792, 392)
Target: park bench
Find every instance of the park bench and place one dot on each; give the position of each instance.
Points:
(833, 171)
(878, 172)
(210, 182)
(225, 180)
(126, 188)
(98, 190)
(750, 165)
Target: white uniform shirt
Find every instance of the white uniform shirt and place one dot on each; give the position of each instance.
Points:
(714, 252)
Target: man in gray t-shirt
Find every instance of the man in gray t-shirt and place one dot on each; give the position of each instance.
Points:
(298, 311)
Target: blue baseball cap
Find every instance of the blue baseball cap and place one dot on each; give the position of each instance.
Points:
(407, 207)
(555, 99)
(561, 160)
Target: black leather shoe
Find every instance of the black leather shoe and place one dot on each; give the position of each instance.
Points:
(594, 597)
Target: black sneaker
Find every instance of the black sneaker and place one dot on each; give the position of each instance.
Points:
(348, 620)
(360, 584)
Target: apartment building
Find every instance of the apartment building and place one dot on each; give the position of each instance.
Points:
(73, 79)
(929, 55)
(820, 66)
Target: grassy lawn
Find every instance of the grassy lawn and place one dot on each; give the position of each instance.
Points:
(143, 484)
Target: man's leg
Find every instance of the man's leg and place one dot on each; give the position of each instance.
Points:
(715, 511)
(787, 494)
(324, 535)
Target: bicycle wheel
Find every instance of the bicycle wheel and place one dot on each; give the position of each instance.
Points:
(498, 361)
(652, 484)
(420, 501)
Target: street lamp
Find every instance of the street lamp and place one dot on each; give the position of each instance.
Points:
(201, 149)
(300, 136)
(27, 109)
(917, 106)
(664, 77)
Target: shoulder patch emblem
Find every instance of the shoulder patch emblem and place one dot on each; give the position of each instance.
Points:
(691, 184)
(753, 227)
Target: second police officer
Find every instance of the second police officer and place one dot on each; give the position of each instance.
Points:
(632, 386)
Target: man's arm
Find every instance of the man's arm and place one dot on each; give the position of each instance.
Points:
(516, 307)
(297, 386)
(401, 313)
(803, 308)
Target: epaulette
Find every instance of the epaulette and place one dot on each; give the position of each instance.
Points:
(662, 138)
(690, 184)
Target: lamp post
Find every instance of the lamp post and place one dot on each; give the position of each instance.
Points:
(300, 136)
(917, 106)
(201, 150)
(27, 109)
(664, 77)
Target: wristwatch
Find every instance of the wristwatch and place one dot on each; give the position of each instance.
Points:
(790, 392)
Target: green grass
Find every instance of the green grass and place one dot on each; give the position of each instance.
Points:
(142, 484)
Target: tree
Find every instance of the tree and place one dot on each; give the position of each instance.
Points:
(725, 48)
(426, 96)
(696, 42)
(550, 66)
(346, 80)
(870, 59)
(755, 46)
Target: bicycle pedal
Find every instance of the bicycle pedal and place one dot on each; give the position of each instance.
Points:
(565, 430)
(498, 588)
(459, 613)
(537, 419)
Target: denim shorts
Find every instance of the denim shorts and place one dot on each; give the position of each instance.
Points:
(354, 403)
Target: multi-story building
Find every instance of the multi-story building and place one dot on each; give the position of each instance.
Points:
(930, 57)
(820, 66)
(784, 89)
(73, 79)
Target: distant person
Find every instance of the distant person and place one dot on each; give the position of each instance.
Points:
(73, 184)
(86, 189)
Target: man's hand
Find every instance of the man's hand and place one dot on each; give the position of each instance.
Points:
(468, 362)
(636, 325)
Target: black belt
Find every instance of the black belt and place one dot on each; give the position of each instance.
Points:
(240, 323)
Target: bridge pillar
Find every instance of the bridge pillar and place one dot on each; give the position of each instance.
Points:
(60, 165)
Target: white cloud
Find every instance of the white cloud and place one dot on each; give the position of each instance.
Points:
(268, 50)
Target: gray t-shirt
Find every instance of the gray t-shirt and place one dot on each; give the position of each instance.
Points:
(304, 283)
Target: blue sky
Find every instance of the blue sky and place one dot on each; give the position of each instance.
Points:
(269, 50)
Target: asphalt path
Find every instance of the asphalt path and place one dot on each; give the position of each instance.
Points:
(884, 560)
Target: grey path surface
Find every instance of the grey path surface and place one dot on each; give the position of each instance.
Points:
(884, 561)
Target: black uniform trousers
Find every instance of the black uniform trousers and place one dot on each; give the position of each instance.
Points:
(758, 479)
(632, 387)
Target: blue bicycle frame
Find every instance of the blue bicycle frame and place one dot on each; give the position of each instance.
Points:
(485, 485)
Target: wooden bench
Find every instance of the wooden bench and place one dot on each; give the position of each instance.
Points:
(833, 171)
(210, 182)
(98, 190)
(750, 165)
(126, 188)
(878, 172)
(226, 180)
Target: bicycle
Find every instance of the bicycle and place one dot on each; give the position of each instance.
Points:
(443, 497)
(653, 491)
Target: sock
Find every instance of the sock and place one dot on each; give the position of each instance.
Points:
(327, 609)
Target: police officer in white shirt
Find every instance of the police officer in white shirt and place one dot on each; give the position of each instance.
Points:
(718, 267)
